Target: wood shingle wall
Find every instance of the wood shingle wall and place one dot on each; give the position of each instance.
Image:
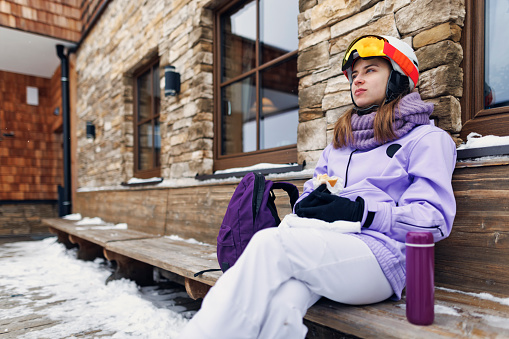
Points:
(55, 18)
(30, 153)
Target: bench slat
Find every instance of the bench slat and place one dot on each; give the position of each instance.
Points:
(177, 256)
(94, 234)
(476, 318)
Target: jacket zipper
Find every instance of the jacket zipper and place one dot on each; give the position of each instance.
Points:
(426, 227)
(348, 165)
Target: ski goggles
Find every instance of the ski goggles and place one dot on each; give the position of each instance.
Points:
(376, 46)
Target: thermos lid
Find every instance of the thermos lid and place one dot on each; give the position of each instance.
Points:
(419, 238)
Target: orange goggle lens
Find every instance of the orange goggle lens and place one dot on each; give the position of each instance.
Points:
(368, 46)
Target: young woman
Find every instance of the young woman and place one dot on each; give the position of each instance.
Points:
(396, 170)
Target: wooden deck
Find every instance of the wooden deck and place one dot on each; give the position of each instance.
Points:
(458, 314)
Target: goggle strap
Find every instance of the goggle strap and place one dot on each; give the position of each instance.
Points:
(403, 61)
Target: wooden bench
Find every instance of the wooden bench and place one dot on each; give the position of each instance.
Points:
(136, 253)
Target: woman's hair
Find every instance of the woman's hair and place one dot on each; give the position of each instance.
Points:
(382, 125)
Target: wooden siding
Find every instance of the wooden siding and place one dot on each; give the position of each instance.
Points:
(143, 210)
(54, 18)
(31, 158)
(474, 258)
(479, 241)
(189, 212)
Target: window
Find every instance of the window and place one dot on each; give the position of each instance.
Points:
(256, 84)
(485, 103)
(147, 139)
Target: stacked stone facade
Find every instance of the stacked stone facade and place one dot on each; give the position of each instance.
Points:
(432, 28)
(180, 33)
(128, 35)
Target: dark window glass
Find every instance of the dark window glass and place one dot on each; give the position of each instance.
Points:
(239, 117)
(278, 28)
(496, 61)
(257, 82)
(280, 105)
(485, 99)
(238, 40)
(145, 153)
(144, 96)
(148, 138)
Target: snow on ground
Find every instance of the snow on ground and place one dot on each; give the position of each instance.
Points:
(74, 293)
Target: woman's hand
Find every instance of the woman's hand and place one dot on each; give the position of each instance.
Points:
(320, 204)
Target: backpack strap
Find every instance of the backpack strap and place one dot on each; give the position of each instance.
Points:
(271, 204)
(258, 190)
(209, 270)
(291, 189)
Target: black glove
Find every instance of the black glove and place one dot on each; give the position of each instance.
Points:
(320, 204)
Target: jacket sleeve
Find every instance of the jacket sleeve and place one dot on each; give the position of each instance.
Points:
(428, 203)
(321, 168)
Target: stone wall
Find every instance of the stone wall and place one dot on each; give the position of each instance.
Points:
(326, 28)
(127, 35)
(25, 217)
(180, 33)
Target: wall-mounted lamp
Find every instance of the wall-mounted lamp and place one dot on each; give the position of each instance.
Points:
(171, 81)
(90, 130)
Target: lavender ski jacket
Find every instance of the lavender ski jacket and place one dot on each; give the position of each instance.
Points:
(406, 182)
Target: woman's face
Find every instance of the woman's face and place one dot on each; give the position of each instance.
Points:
(369, 81)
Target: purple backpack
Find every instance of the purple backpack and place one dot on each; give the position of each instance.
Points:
(251, 209)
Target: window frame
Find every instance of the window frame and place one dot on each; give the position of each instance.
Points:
(282, 154)
(154, 171)
(475, 118)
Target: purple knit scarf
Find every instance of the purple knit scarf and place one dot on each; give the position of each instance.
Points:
(410, 112)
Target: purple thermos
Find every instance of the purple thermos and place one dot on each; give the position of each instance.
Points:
(420, 278)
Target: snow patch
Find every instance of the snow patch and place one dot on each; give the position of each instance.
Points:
(483, 295)
(257, 167)
(143, 181)
(121, 226)
(75, 216)
(494, 320)
(90, 221)
(441, 309)
(476, 140)
(73, 293)
(190, 240)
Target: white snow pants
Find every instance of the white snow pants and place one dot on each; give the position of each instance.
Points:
(282, 273)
